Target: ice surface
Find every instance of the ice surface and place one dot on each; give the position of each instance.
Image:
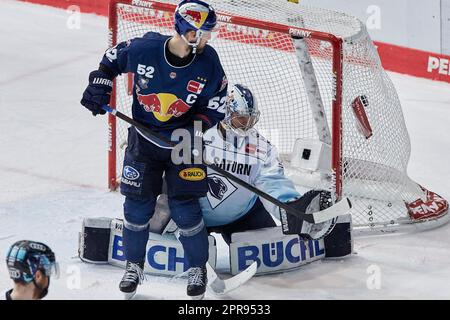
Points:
(53, 174)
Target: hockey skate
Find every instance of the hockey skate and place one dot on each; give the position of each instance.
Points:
(197, 281)
(134, 275)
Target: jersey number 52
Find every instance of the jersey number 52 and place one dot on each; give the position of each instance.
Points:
(217, 104)
(146, 71)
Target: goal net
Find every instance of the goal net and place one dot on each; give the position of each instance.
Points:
(326, 103)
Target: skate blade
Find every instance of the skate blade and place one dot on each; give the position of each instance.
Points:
(129, 295)
(199, 297)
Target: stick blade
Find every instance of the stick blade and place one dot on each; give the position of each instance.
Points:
(220, 286)
(340, 208)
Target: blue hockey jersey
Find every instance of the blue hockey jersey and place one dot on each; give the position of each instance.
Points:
(167, 97)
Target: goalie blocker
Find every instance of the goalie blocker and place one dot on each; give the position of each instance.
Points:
(101, 243)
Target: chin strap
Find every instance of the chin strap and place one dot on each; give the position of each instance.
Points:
(193, 45)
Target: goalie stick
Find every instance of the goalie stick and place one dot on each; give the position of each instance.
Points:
(220, 286)
(340, 208)
(223, 286)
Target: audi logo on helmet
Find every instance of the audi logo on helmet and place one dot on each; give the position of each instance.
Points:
(37, 246)
(14, 273)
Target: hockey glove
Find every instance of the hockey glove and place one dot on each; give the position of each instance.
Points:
(98, 92)
(310, 202)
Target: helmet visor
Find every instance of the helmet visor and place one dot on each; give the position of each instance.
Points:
(50, 267)
(208, 35)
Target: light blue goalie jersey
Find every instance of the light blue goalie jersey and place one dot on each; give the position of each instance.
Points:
(252, 159)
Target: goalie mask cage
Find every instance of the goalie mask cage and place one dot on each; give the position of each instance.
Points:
(318, 78)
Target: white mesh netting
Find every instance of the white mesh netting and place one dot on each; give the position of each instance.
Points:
(374, 169)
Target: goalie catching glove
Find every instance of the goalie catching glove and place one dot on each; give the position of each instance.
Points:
(310, 202)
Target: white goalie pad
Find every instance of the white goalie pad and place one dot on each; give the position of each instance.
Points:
(273, 251)
(164, 253)
(101, 243)
(276, 252)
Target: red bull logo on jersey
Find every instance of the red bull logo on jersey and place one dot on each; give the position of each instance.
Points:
(164, 106)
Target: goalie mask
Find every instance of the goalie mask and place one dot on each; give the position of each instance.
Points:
(198, 16)
(241, 111)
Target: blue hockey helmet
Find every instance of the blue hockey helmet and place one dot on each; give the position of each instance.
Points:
(242, 108)
(194, 15)
(26, 257)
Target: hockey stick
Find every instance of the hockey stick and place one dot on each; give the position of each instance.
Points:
(220, 286)
(335, 210)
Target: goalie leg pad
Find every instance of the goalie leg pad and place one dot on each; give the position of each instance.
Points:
(94, 240)
(339, 243)
(164, 254)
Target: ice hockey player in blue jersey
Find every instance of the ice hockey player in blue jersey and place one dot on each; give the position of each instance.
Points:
(177, 80)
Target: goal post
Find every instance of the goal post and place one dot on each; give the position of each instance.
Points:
(325, 101)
